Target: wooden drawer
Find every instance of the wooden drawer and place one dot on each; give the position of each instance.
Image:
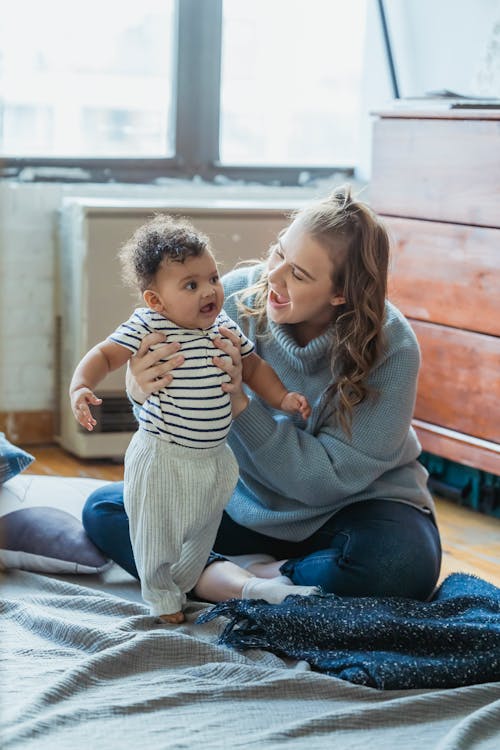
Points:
(459, 380)
(436, 182)
(446, 273)
(465, 449)
(441, 169)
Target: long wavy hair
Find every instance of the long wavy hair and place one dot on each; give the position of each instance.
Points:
(358, 245)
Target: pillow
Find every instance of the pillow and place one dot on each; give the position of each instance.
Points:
(12, 460)
(41, 528)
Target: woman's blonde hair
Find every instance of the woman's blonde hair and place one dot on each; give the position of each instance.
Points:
(358, 245)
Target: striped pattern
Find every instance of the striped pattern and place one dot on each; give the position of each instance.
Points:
(174, 498)
(192, 411)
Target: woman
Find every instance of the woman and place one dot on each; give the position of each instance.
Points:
(340, 501)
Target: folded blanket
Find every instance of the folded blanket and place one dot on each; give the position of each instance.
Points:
(386, 643)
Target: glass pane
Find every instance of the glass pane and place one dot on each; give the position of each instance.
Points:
(291, 81)
(89, 79)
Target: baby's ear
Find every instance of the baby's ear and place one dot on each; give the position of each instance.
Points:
(152, 300)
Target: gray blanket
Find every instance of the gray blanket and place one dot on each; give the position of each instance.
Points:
(85, 669)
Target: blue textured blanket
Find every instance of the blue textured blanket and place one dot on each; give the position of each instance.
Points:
(386, 643)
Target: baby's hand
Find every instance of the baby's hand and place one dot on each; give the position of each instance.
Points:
(296, 402)
(80, 400)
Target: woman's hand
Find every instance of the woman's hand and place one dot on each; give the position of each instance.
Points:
(231, 364)
(146, 374)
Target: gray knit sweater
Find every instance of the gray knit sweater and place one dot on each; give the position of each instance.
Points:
(293, 475)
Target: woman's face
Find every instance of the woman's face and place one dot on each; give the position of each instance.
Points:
(300, 283)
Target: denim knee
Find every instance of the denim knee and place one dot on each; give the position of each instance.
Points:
(104, 500)
(89, 513)
(106, 523)
(328, 568)
(374, 558)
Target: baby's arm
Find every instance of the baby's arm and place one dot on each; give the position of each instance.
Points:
(262, 379)
(93, 368)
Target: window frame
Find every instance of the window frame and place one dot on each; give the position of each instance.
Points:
(197, 78)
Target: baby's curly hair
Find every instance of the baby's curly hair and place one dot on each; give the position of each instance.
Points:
(162, 238)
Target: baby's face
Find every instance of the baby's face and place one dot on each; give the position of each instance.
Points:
(190, 294)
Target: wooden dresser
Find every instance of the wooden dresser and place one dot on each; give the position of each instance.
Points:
(436, 182)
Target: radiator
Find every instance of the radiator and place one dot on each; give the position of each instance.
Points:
(91, 300)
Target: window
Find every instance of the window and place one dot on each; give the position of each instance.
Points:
(291, 81)
(445, 47)
(135, 91)
(93, 79)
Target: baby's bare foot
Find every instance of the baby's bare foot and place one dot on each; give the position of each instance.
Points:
(175, 617)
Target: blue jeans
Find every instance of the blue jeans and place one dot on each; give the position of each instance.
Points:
(371, 548)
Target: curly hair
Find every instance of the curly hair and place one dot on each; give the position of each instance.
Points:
(358, 245)
(163, 238)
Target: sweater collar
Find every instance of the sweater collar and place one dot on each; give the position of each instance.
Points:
(305, 359)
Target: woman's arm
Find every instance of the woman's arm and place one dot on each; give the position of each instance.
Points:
(321, 465)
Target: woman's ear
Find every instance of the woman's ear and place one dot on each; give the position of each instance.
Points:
(337, 300)
(152, 300)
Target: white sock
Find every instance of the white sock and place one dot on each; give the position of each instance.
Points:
(244, 561)
(282, 579)
(274, 590)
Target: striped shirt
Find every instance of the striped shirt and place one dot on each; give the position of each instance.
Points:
(193, 410)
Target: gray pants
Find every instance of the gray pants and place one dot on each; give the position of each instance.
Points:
(174, 498)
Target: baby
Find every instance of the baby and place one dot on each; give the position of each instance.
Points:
(179, 471)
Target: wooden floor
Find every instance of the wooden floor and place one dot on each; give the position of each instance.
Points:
(471, 540)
